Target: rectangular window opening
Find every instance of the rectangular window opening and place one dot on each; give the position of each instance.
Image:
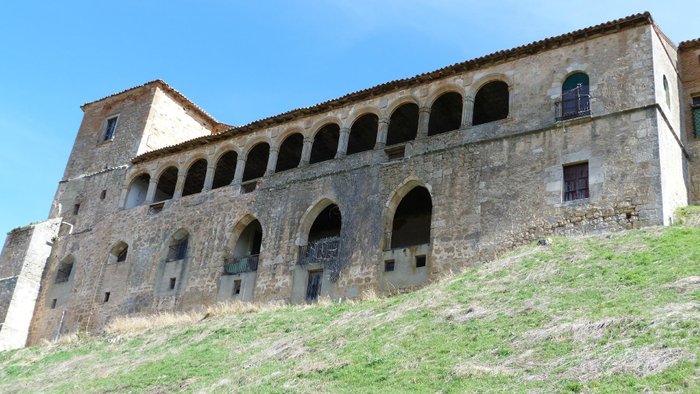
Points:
(237, 287)
(103, 195)
(420, 261)
(389, 266)
(576, 181)
(172, 283)
(106, 299)
(249, 187)
(110, 128)
(395, 152)
(53, 303)
(76, 209)
(155, 208)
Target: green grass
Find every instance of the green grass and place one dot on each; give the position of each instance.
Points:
(613, 313)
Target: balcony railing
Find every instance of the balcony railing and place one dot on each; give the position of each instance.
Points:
(323, 251)
(239, 265)
(572, 106)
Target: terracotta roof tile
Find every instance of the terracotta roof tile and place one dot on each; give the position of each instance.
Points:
(689, 44)
(493, 58)
(179, 96)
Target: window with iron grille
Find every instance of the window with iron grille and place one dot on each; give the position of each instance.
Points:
(575, 181)
(696, 115)
(110, 128)
(178, 250)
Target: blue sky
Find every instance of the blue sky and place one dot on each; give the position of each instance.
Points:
(242, 61)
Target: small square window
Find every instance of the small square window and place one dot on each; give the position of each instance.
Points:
(420, 261)
(389, 266)
(76, 209)
(110, 128)
(575, 181)
(172, 283)
(53, 303)
(237, 287)
(106, 299)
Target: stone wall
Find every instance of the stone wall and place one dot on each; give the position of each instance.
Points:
(690, 77)
(493, 186)
(22, 263)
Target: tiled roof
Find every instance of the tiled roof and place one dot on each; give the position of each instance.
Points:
(184, 101)
(491, 59)
(689, 44)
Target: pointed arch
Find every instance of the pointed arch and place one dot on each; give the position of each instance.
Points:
(395, 200)
(309, 217)
(178, 245)
(138, 189)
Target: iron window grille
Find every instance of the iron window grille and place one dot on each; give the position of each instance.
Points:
(574, 103)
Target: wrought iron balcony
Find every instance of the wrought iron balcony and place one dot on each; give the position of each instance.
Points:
(572, 106)
(239, 265)
(323, 251)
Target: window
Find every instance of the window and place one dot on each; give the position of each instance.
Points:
(172, 283)
(420, 261)
(667, 92)
(122, 255)
(575, 97)
(103, 195)
(106, 299)
(696, 115)
(110, 129)
(53, 303)
(575, 182)
(389, 266)
(178, 246)
(76, 209)
(64, 270)
(237, 287)
(491, 103)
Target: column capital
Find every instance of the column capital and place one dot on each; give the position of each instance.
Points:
(424, 110)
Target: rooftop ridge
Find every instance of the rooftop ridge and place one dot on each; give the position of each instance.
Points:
(159, 82)
(532, 48)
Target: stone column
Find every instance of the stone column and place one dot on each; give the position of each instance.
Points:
(238, 175)
(382, 131)
(467, 111)
(179, 185)
(272, 161)
(151, 193)
(306, 152)
(423, 122)
(209, 178)
(343, 142)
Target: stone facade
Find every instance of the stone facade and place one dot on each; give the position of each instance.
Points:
(178, 210)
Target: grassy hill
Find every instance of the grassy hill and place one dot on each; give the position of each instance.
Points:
(611, 313)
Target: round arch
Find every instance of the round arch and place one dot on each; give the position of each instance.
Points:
(309, 217)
